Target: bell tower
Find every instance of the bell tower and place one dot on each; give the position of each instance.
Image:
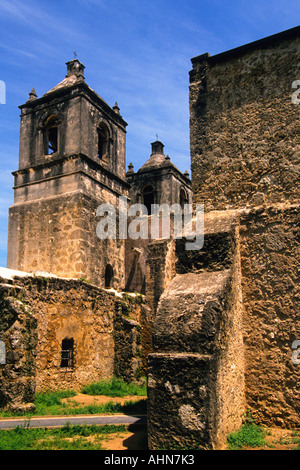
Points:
(71, 160)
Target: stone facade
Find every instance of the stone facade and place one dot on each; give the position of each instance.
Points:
(214, 327)
(157, 182)
(72, 159)
(42, 315)
(196, 370)
(227, 320)
(270, 285)
(244, 126)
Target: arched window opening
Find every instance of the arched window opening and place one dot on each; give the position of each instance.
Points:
(109, 274)
(67, 353)
(148, 197)
(183, 198)
(103, 142)
(51, 135)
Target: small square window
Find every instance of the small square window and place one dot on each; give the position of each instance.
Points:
(67, 353)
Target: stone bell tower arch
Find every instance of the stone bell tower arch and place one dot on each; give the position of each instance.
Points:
(71, 160)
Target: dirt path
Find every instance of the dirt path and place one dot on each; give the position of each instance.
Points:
(84, 399)
(135, 438)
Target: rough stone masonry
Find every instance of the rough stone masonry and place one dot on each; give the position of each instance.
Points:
(226, 321)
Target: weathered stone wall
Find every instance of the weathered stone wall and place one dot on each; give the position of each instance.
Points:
(245, 157)
(58, 235)
(52, 224)
(160, 269)
(106, 329)
(131, 330)
(71, 309)
(244, 128)
(18, 332)
(225, 325)
(195, 374)
(270, 261)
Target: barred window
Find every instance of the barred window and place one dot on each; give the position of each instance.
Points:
(67, 353)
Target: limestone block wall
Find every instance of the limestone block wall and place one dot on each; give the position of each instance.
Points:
(58, 235)
(244, 127)
(105, 330)
(196, 370)
(18, 334)
(270, 254)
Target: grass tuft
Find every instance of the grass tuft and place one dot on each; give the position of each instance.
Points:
(114, 388)
(77, 437)
(249, 435)
(50, 403)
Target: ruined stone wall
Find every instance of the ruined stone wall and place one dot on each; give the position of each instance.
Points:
(270, 283)
(106, 330)
(195, 374)
(245, 157)
(160, 269)
(132, 337)
(225, 326)
(18, 334)
(71, 309)
(244, 128)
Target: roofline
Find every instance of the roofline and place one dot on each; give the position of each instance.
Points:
(168, 166)
(63, 90)
(260, 43)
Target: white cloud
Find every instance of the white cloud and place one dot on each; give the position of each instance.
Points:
(37, 17)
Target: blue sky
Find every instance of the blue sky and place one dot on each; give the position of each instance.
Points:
(136, 52)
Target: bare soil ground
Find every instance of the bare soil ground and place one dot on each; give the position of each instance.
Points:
(281, 439)
(84, 399)
(135, 438)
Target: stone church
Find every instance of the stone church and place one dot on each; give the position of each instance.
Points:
(84, 294)
(72, 159)
(215, 330)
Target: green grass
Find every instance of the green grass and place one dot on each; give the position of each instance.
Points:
(52, 399)
(68, 437)
(296, 439)
(50, 404)
(114, 388)
(249, 435)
